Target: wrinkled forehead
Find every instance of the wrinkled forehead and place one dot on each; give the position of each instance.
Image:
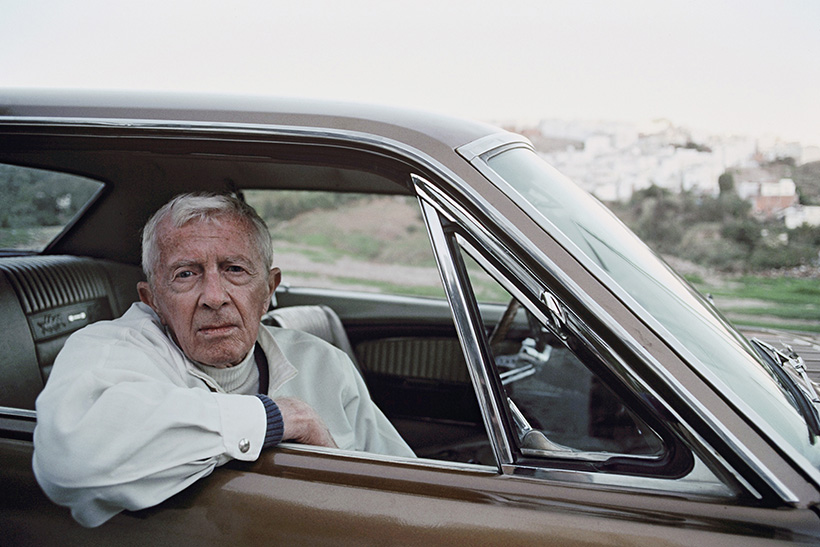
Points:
(230, 234)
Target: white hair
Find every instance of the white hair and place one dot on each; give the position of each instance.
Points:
(185, 208)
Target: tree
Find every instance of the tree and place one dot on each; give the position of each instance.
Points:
(657, 214)
(744, 231)
(726, 183)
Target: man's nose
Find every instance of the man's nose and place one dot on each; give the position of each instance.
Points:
(214, 294)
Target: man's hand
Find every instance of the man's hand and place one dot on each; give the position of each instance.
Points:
(303, 424)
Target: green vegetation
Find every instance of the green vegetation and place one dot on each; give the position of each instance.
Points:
(277, 207)
(434, 291)
(748, 260)
(28, 238)
(384, 229)
(354, 241)
(773, 302)
(806, 177)
(716, 232)
(37, 204)
(783, 290)
(34, 197)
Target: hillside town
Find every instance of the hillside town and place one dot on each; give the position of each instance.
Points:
(612, 160)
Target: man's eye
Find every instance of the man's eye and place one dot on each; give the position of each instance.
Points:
(184, 275)
(236, 269)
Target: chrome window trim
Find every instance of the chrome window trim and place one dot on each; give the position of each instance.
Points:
(15, 422)
(193, 129)
(11, 412)
(454, 213)
(750, 459)
(455, 291)
(427, 464)
(172, 125)
(478, 148)
(696, 483)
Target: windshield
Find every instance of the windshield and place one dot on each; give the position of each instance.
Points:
(602, 239)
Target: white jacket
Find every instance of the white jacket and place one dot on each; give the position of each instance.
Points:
(126, 420)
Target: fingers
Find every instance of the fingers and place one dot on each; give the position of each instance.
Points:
(303, 424)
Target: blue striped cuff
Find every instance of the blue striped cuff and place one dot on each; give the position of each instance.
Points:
(276, 427)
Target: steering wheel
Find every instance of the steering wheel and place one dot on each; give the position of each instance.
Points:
(499, 333)
(502, 328)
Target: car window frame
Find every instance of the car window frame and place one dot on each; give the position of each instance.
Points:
(19, 424)
(445, 218)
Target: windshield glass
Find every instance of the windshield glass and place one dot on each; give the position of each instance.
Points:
(602, 239)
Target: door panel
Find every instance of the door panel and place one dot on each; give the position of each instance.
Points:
(306, 498)
(414, 368)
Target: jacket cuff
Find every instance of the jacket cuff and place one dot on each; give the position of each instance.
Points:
(276, 426)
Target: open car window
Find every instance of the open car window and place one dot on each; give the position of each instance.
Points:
(368, 258)
(349, 241)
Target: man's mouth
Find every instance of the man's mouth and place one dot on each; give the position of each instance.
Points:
(217, 330)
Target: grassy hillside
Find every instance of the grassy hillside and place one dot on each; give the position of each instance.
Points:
(774, 302)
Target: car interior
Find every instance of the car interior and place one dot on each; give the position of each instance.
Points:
(89, 271)
(404, 343)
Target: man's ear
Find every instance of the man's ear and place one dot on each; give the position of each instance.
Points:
(146, 294)
(274, 279)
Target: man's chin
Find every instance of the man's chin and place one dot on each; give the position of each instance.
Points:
(218, 357)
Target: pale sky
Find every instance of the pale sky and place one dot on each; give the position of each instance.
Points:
(722, 66)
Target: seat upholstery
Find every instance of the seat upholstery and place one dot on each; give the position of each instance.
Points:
(43, 300)
(320, 321)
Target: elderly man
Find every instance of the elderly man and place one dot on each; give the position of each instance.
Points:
(138, 408)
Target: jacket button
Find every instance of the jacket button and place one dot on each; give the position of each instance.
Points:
(244, 445)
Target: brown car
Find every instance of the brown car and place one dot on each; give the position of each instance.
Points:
(557, 381)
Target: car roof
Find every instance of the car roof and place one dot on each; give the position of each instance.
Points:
(401, 124)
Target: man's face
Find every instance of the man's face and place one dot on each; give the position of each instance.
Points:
(210, 288)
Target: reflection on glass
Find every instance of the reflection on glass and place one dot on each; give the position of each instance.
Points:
(555, 393)
(580, 221)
